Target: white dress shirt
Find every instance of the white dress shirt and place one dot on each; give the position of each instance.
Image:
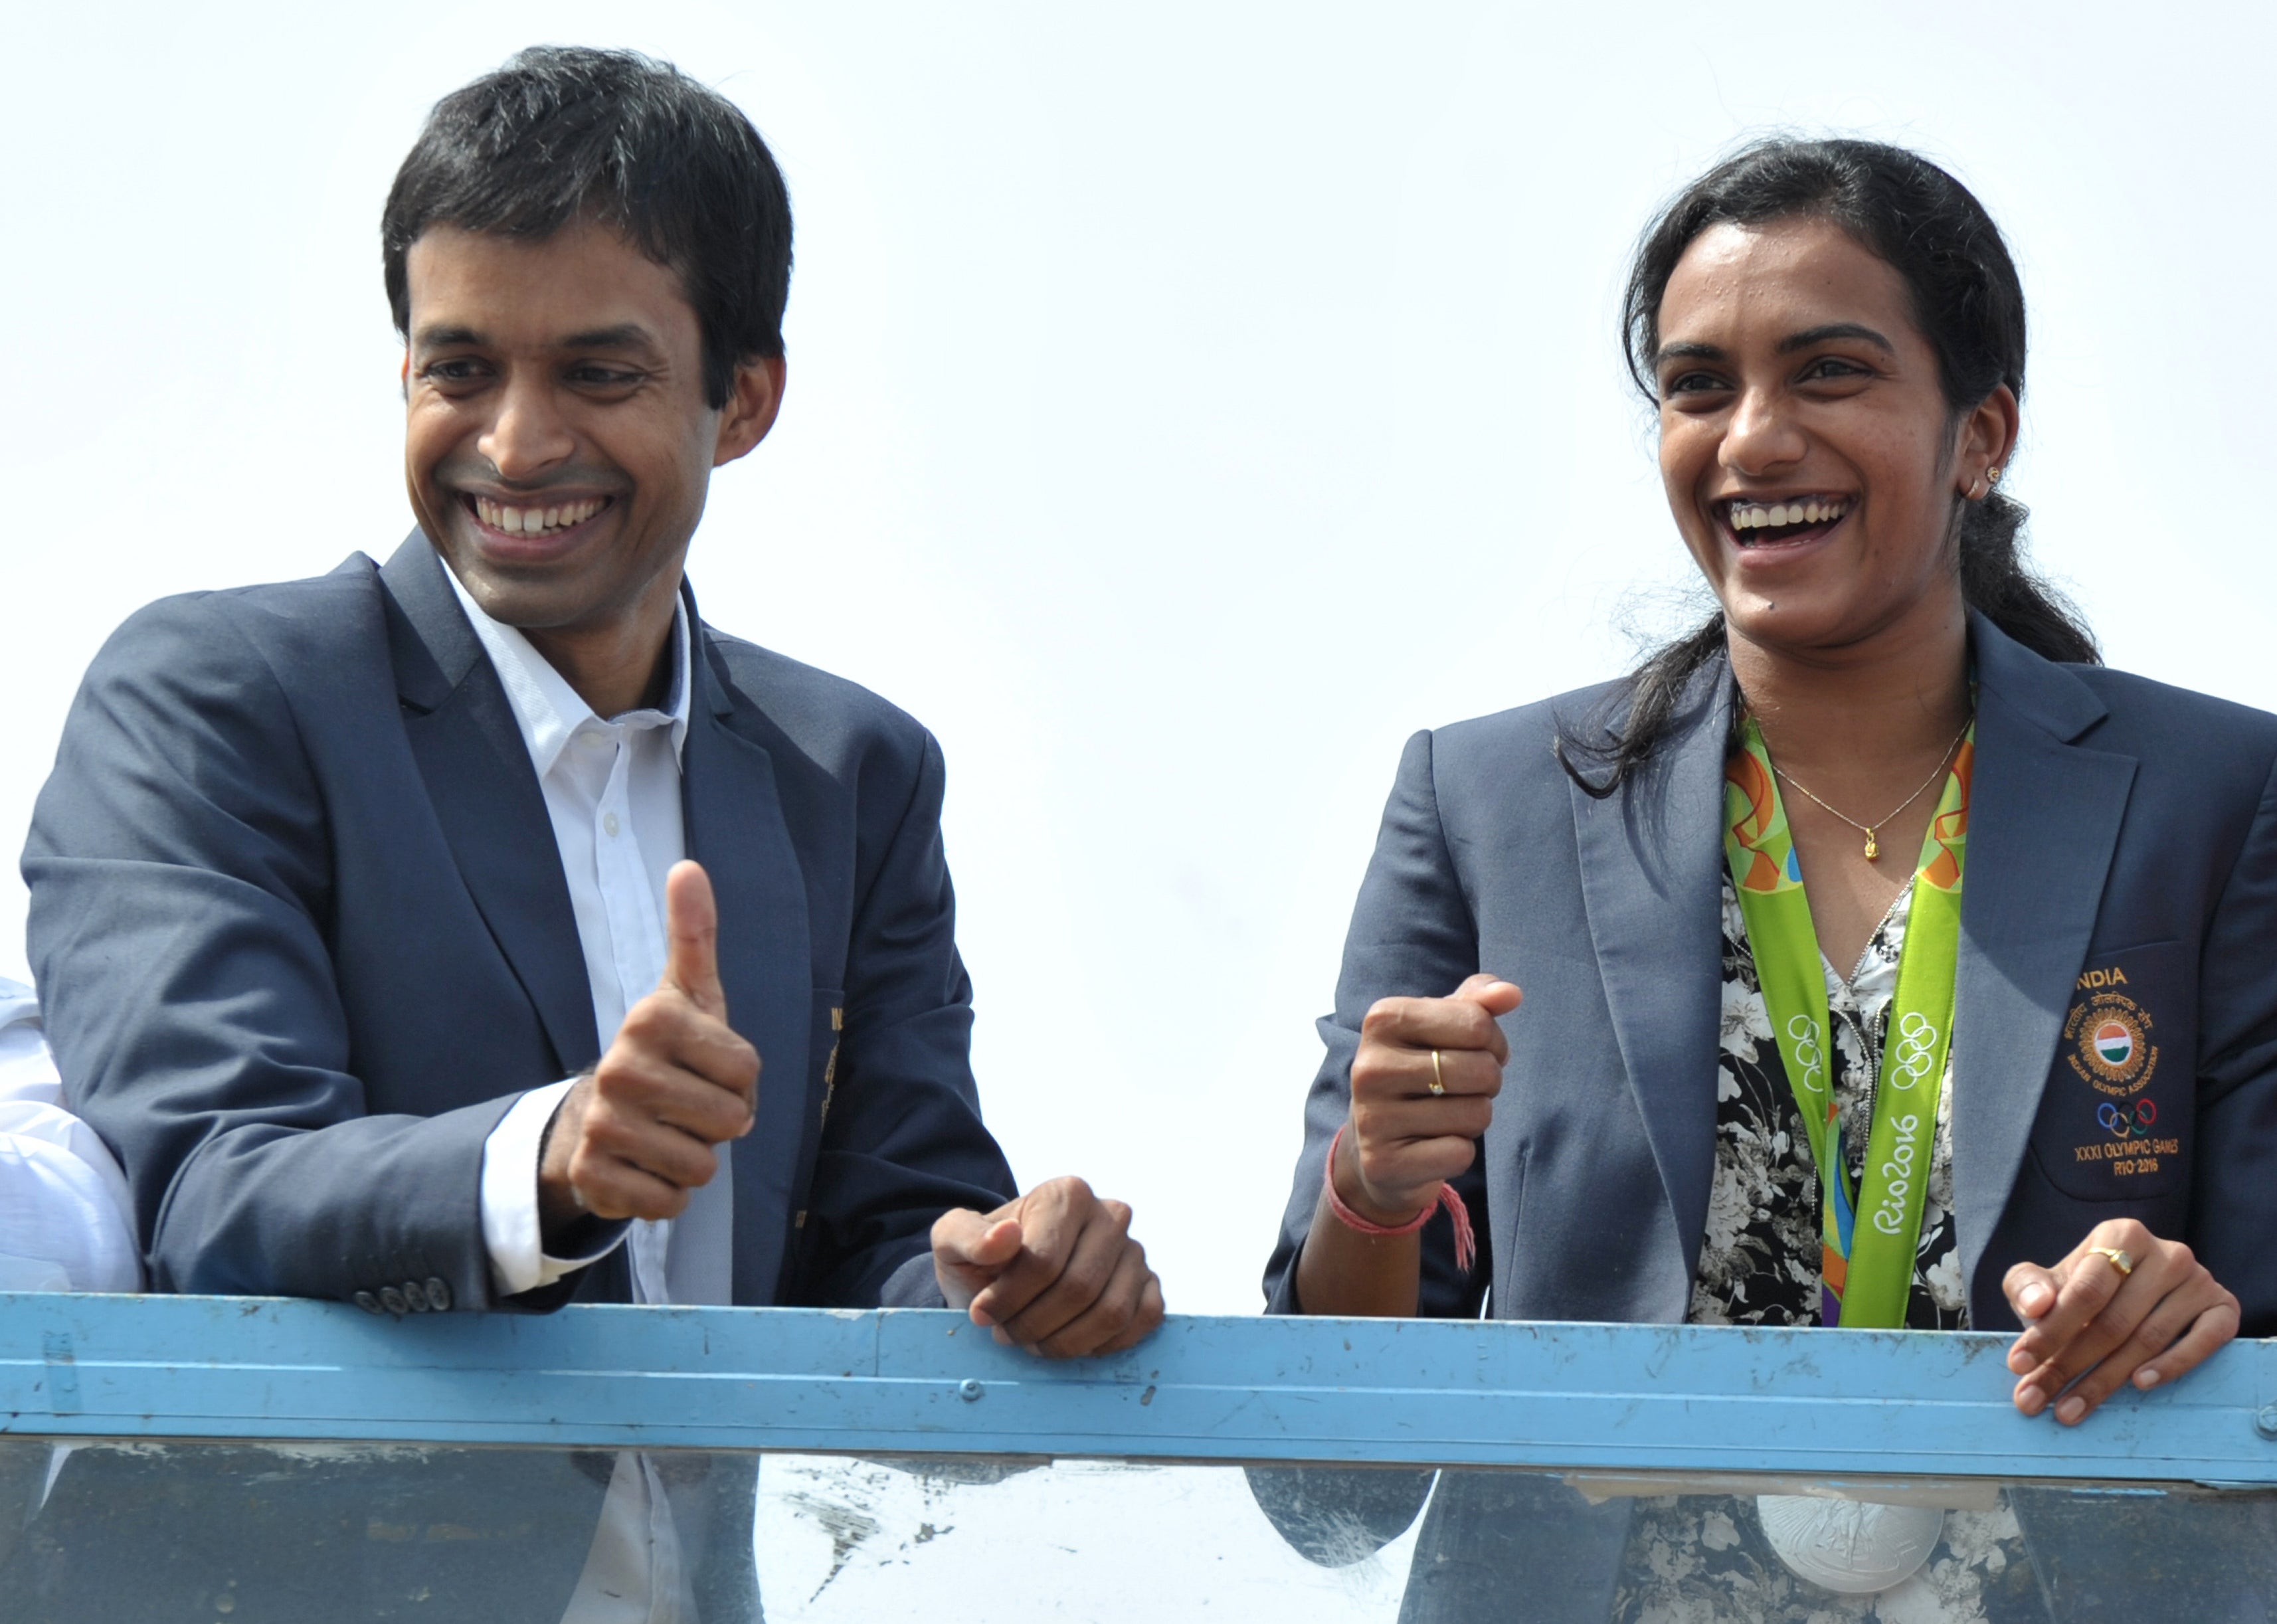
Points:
(67, 1221)
(612, 794)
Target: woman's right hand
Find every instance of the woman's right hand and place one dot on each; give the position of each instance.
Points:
(1404, 1141)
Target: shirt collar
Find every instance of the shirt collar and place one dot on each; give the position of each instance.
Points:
(547, 710)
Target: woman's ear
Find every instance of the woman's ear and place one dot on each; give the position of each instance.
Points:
(753, 399)
(1988, 438)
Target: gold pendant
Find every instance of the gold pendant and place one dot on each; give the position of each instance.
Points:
(1873, 847)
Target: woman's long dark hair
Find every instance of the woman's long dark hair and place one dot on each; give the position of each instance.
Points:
(1968, 304)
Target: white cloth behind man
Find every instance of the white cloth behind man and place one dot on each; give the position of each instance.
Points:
(66, 1222)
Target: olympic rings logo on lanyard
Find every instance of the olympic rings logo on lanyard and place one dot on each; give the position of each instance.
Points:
(1802, 1032)
(2125, 1123)
(1916, 1049)
(1809, 1053)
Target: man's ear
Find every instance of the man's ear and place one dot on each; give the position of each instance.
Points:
(753, 399)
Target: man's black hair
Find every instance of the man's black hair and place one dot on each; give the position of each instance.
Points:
(561, 131)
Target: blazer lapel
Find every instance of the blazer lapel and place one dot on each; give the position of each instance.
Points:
(2045, 815)
(736, 828)
(1650, 856)
(485, 794)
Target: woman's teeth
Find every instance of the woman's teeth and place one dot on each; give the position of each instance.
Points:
(537, 520)
(1754, 523)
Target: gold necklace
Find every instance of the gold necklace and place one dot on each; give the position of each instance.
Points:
(1874, 846)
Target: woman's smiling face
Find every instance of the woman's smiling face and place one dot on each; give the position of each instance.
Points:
(1811, 458)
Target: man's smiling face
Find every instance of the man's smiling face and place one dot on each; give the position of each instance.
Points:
(558, 442)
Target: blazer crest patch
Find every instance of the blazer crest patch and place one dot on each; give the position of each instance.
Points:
(2110, 1041)
(2114, 1124)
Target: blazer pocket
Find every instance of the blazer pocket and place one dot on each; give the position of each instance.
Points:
(2118, 1116)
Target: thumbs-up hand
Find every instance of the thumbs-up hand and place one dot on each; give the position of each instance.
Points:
(635, 1134)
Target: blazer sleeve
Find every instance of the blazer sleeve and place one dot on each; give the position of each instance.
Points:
(903, 1141)
(2233, 1195)
(179, 869)
(1412, 937)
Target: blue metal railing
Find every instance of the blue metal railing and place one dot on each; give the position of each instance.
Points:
(1606, 1398)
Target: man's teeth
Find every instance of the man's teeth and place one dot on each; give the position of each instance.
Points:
(1773, 515)
(537, 520)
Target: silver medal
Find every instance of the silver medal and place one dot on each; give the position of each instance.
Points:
(1854, 1547)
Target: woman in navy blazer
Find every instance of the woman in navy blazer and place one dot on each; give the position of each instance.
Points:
(1834, 336)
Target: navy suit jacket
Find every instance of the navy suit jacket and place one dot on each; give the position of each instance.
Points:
(302, 935)
(2122, 845)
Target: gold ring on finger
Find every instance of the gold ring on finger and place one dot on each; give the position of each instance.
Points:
(1438, 1076)
(2119, 1261)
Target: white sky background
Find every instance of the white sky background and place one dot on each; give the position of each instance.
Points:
(1187, 402)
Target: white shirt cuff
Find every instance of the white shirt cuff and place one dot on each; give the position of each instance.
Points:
(511, 1234)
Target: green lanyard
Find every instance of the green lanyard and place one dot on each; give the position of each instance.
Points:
(1867, 1237)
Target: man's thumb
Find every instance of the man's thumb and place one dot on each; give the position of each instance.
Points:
(692, 929)
(975, 1240)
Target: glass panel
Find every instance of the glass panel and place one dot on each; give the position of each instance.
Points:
(133, 1531)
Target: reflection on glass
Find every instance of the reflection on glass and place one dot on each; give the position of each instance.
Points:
(126, 1532)
(1664, 1548)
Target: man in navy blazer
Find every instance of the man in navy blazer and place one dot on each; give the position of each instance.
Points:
(485, 930)
(304, 927)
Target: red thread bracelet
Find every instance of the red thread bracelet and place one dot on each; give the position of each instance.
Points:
(1466, 1246)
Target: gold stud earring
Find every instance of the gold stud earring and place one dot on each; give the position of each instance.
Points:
(1992, 475)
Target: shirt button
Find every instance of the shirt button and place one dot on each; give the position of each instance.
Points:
(609, 823)
(369, 1303)
(392, 1301)
(439, 1294)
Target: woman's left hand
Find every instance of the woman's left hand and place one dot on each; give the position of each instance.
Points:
(2087, 1321)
